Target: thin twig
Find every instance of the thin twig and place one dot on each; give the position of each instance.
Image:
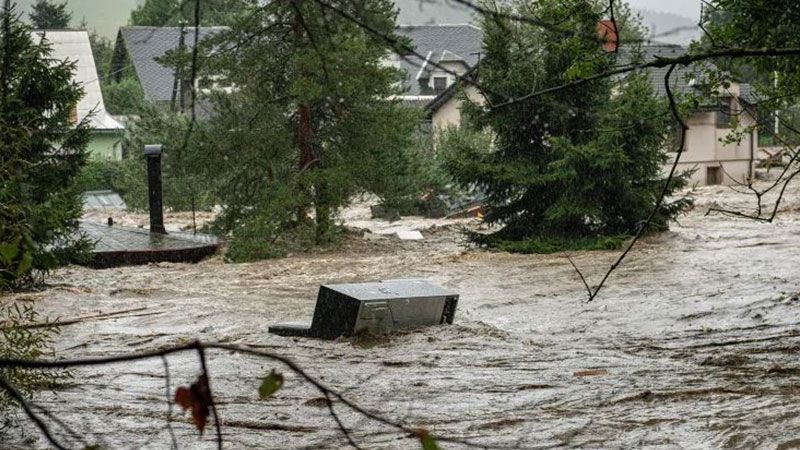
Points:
(168, 396)
(588, 289)
(657, 63)
(646, 225)
(19, 398)
(202, 354)
(201, 347)
(339, 423)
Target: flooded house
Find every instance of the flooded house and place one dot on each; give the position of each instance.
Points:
(707, 152)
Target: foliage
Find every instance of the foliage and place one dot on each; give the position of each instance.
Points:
(197, 398)
(128, 178)
(18, 340)
(270, 384)
(176, 12)
(183, 190)
(759, 24)
(48, 15)
(102, 52)
(555, 244)
(124, 97)
(43, 152)
(572, 165)
(309, 125)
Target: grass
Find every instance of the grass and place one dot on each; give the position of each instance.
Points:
(555, 245)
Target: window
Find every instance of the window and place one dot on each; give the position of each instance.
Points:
(724, 112)
(439, 84)
(713, 175)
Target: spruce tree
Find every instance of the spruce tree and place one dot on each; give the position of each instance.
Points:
(311, 121)
(161, 13)
(568, 168)
(48, 15)
(43, 149)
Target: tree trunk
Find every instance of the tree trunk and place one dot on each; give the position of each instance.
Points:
(305, 132)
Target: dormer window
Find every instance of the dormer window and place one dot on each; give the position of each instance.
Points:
(439, 84)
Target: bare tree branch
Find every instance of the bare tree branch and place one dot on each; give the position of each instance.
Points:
(673, 106)
(658, 62)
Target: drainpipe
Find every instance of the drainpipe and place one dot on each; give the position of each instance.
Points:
(752, 155)
(153, 155)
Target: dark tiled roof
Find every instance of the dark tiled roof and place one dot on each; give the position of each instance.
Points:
(417, 102)
(682, 78)
(438, 43)
(146, 44)
(748, 94)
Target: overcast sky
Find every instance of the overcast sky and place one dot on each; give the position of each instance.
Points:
(688, 8)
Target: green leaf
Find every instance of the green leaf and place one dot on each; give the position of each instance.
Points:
(9, 251)
(427, 441)
(25, 264)
(270, 384)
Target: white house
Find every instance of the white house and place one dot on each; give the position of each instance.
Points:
(106, 142)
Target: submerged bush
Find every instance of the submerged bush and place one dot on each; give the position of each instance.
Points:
(20, 340)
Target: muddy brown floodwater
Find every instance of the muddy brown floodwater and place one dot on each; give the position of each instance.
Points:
(693, 344)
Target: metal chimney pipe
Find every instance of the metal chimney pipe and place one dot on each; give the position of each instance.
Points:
(153, 155)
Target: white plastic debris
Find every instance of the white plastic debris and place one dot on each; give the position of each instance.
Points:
(409, 235)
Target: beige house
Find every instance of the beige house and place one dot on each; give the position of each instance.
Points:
(444, 54)
(706, 152)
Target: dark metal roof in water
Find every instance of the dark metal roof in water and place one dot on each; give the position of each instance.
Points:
(120, 246)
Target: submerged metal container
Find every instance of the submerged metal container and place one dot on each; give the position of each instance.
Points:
(375, 308)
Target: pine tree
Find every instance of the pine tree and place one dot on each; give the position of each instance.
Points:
(48, 15)
(43, 150)
(311, 121)
(569, 167)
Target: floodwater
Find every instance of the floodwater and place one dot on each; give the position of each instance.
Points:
(693, 343)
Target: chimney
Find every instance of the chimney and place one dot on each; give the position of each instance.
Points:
(153, 155)
(607, 33)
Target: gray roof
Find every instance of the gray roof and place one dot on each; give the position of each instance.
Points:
(146, 44)
(683, 77)
(680, 80)
(438, 43)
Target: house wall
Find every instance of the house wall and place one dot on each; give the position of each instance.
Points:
(449, 114)
(105, 145)
(705, 150)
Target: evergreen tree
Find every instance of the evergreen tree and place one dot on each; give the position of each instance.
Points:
(310, 122)
(162, 13)
(43, 149)
(775, 80)
(570, 167)
(48, 15)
